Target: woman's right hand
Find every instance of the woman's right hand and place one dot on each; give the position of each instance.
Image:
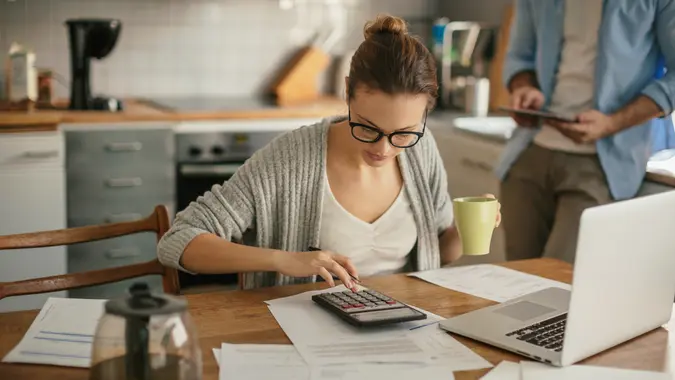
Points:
(322, 263)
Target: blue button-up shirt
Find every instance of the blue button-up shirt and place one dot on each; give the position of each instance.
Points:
(634, 37)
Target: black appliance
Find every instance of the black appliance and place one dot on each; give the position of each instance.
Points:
(209, 158)
(90, 38)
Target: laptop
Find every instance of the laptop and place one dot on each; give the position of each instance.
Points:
(623, 286)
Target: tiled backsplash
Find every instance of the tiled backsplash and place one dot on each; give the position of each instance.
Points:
(185, 47)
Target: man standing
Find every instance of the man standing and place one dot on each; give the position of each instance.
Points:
(596, 61)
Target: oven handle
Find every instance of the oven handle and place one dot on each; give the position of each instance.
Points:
(199, 170)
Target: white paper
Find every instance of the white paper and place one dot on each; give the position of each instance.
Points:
(324, 339)
(669, 365)
(61, 334)
(488, 281)
(539, 371)
(505, 370)
(381, 371)
(447, 353)
(261, 361)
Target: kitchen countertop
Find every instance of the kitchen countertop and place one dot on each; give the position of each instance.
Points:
(144, 111)
(140, 111)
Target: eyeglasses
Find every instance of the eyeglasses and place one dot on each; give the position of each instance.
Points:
(371, 135)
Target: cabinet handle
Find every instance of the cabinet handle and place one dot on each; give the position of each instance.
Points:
(476, 165)
(132, 146)
(41, 154)
(116, 218)
(122, 253)
(124, 182)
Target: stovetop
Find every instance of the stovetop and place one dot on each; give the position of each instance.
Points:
(202, 103)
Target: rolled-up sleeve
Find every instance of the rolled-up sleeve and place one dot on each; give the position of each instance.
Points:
(521, 51)
(226, 210)
(662, 91)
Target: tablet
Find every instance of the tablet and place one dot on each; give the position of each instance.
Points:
(541, 114)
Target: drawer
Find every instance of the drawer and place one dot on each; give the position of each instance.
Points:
(110, 186)
(89, 214)
(118, 148)
(38, 149)
(110, 253)
(115, 209)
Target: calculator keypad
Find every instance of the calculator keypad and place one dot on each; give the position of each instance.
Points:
(364, 300)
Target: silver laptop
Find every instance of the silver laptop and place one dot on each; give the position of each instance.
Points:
(623, 286)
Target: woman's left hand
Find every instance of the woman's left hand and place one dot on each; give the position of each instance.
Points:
(499, 209)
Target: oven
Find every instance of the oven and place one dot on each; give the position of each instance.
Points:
(203, 160)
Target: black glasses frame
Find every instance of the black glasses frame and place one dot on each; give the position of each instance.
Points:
(380, 134)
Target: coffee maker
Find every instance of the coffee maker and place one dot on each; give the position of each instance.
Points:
(90, 38)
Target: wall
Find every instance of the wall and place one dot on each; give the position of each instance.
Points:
(490, 11)
(184, 47)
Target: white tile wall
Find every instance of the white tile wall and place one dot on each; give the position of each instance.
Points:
(185, 47)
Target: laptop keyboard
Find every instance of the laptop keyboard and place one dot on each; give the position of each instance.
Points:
(548, 334)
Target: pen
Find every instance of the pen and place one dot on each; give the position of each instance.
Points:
(356, 280)
(425, 325)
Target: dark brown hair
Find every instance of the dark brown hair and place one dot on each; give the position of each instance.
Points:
(392, 61)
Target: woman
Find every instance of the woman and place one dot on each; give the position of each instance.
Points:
(369, 189)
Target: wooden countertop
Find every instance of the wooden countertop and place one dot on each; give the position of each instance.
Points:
(661, 178)
(243, 317)
(138, 111)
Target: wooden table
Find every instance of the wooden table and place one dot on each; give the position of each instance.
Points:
(242, 317)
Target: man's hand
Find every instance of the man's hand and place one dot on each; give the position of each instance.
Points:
(591, 126)
(526, 97)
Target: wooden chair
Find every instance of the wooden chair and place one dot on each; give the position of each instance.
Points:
(157, 222)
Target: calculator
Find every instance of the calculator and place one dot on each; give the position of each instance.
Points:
(367, 308)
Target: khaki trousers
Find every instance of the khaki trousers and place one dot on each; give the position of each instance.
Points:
(542, 198)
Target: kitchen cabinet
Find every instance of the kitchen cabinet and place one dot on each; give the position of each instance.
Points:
(117, 173)
(32, 190)
(649, 188)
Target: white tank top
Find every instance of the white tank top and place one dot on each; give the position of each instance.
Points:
(381, 247)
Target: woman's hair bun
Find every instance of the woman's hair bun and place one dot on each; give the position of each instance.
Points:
(385, 23)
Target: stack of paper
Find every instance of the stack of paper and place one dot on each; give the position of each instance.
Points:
(488, 281)
(537, 371)
(61, 334)
(333, 349)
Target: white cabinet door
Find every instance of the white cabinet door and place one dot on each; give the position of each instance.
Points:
(32, 198)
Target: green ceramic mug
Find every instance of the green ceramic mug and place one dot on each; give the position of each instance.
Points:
(475, 219)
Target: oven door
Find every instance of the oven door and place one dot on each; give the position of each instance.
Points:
(192, 181)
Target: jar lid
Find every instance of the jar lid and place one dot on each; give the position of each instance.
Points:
(142, 303)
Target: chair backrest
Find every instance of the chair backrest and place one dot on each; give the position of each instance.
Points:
(157, 222)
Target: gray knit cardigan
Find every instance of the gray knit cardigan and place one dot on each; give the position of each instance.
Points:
(275, 201)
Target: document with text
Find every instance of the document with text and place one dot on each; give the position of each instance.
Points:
(323, 339)
(62, 334)
(488, 281)
(283, 362)
(261, 361)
